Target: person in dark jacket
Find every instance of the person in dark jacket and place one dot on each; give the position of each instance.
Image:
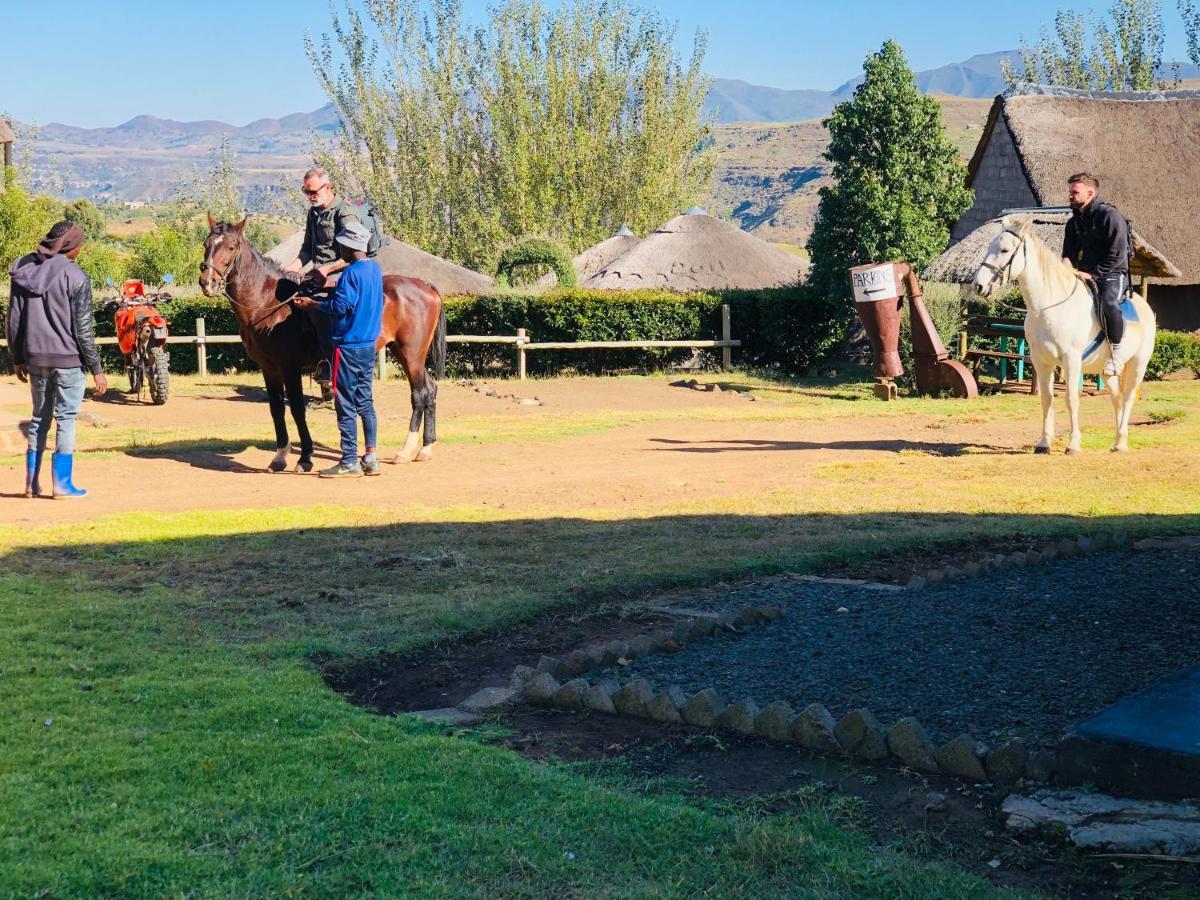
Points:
(356, 311)
(328, 214)
(1096, 244)
(51, 337)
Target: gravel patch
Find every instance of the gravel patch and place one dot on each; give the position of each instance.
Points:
(1019, 653)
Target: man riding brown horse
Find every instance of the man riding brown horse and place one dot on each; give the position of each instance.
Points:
(328, 214)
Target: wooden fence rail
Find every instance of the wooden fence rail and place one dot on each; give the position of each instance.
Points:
(521, 341)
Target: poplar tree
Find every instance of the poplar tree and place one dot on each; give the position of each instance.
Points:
(899, 183)
(566, 123)
(1122, 51)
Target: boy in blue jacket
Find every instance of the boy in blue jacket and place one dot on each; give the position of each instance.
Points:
(355, 309)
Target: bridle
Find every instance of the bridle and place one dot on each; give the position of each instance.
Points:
(1004, 272)
(230, 271)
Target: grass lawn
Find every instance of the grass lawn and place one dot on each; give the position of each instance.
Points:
(166, 731)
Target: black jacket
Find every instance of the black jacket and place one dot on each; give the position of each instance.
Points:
(1096, 240)
(50, 317)
(322, 224)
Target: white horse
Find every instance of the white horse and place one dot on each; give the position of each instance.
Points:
(1063, 327)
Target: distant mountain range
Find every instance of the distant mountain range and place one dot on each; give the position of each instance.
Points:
(738, 101)
(767, 178)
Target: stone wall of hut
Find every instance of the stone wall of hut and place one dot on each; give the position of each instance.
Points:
(999, 183)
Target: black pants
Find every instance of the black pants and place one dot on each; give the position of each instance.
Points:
(323, 326)
(1110, 292)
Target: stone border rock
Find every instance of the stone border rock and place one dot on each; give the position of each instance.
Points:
(992, 562)
(858, 735)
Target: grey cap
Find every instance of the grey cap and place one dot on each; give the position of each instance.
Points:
(354, 235)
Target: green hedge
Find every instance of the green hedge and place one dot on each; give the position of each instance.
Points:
(1173, 351)
(783, 329)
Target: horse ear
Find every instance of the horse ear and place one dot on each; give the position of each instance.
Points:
(212, 223)
(241, 226)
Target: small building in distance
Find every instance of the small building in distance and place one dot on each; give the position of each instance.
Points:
(1144, 147)
(696, 252)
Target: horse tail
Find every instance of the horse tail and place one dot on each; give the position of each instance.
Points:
(439, 342)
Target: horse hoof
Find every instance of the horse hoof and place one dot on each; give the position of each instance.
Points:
(1118, 449)
(399, 459)
(425, 455)
(277, 466)
(1040, 449)
(1073, 451)
(303, 467)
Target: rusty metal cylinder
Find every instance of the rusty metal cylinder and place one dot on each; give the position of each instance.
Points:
(879, 299)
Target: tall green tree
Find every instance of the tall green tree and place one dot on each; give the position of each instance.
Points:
(1121, 51)
(899, 183)
(566, 122)
(1191, 29)
(24, 220)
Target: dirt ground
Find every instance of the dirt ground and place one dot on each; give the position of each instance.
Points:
(659, 457)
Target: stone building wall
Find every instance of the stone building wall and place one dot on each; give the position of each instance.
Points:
(999, 183)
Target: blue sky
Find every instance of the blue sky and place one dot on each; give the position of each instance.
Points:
(93, 63)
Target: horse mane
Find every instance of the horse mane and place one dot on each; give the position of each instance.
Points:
(1050, 263)
(267, 263)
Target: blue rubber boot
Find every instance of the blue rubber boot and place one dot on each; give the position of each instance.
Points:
(62, 463)
(33, 470)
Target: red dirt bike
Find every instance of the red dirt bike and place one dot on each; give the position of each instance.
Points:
(142, 337)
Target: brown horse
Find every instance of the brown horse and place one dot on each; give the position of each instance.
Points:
(275, 337)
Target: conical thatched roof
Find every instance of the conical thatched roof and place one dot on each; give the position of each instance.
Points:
(1144, 146)
(398, 258)
(596, 257)
(959, 264)
(694, 252)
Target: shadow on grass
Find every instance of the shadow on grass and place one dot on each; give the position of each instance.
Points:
(218, 455)
(932, 448)
(362, 589)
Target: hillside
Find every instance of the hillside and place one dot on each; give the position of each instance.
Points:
(769, 174)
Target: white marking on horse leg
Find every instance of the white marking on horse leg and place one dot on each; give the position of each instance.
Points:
(426, 454)
(279, 460)
(409, 450)
(1128, 398)
(1045, 376)
(1071, 374)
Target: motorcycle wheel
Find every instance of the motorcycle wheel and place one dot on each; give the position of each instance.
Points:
(160, 378)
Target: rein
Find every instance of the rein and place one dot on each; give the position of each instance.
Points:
(1004, 272)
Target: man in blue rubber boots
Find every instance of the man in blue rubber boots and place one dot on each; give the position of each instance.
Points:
(51, 336)
(355, 310)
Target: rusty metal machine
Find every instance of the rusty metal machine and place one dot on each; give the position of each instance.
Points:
(879, 290)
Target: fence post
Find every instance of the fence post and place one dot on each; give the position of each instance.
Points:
(726, 352)
(380, 363)
(521, 341)
(201, 349)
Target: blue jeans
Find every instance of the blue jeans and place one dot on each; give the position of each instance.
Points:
(353, 371)
(57, 394)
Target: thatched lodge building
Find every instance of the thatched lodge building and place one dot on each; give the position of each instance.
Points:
(1144, 147)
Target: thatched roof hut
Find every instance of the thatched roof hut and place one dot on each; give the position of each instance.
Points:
(6, 141)
(596, 257)
(959, 264)
(1145, 148)
(693, 252)
(398, 258)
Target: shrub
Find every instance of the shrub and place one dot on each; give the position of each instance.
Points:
(537, 251)
(166, 250)
(1173, 351)
(101, 262)
(84, 214)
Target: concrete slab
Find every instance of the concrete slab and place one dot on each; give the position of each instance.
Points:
(1145, 745)
(449, 716)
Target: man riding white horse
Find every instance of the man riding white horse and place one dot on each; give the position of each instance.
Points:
(1096, 243)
